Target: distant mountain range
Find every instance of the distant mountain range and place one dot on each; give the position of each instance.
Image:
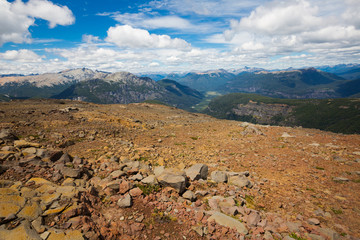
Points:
(347, 71)
(99, 87)
(184, 90)
(321, 82)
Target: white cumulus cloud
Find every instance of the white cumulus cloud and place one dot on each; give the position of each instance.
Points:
(143, 20)
(279, 28)
(16, 18)
(279, 18)
(129, 37)
(22, 55)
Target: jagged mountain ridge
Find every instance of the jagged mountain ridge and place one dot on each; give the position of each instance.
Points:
(51, 79)
(45, 85)
(124, 87)
(302, 83)
(99, 87)
(204, 81)
(290, 83)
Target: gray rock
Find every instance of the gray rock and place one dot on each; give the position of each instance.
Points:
(232, 211)
(133, 164)
(331, 234)
(190, 195)
(178, 182)
(219, 176)
(159, 170)
(199, 230)
(71, 172)
(125, 201)
(227, 221)
(201, 193)
(213, 204)
(150, 180)
(340, 179)
(78, 161)
(197, 171)
(268, 236)
(293, 226)
(42, 153)
(7, 135)
(231, 174)
(251, 130)
(114, 159)
(313, 221)
(288, 238)
(253, 219)
(65, 158)
(137, 177)
(116, 174)
(114, 185)
(315, 237)
(29, 151)
(240, 181)
(45, 235)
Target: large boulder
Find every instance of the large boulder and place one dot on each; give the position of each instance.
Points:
(197, 171)
(227, 221)
(178, 182)
(240, 181)
(7, 135)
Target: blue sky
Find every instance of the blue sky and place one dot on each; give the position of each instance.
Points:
(38, 36)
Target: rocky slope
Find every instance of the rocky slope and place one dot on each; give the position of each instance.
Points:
(338, 115)
(75, 170)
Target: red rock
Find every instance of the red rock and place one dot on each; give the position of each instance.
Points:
(282, 228)
(135, 192)
(224, 231)
(137, 227)
(198, 203)
(124, 187)
(199, 216)
(253, 219)
(103, 230)
(133, 171)
(258, 230)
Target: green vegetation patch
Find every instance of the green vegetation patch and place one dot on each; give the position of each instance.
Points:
(148, 189)
(294, 236)
(341, 115)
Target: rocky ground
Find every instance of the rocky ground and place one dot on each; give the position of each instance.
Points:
(74, 170)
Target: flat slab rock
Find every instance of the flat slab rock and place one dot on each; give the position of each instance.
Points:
(227, 221)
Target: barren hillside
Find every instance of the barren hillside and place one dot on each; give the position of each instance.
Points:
(302, 182)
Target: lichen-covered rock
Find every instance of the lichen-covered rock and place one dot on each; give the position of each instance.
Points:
(22, 232)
